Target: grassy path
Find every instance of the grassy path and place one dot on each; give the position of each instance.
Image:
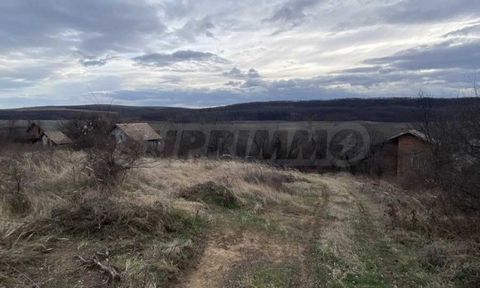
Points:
(354, 249)
(335, 237)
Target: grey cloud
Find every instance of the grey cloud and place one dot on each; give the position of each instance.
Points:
(307, 89)
(175, 9)
(376, 76)
(7, 83)
(161, 59)
(292, 12)
(233, 83)
(186, 98)
(93, 62)
(89, 61)
(88, 25)
(252, 79)
(38, 31)
(440, 56)
(412, 11)
(236, 73)
(171, 79)
(405, 12)
(254, 82)
(30, 73)
(472, 30)
(278, 90)
(252, 73)
(365, 69)
(37, 100)
(196, 28)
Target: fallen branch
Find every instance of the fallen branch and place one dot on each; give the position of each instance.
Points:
(113, 274)
(34, 284)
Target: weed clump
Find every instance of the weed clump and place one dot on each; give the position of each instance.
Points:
(105, 217)
(17, 203)
(212, 193)
(13, 179)
(102, 219)
(111, 218)
(468, 276)
(126, 244)
(271, 179)
(433, 256)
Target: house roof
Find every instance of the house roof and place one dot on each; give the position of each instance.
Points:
(57, 137)
(139, 131)
(412, 132)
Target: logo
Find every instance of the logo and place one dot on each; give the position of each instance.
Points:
(287, 143)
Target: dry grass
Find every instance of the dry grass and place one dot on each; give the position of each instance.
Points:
(445, 240)
(163, 179)
(155, 224)
(137, 230)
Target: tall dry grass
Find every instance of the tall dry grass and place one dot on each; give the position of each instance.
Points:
(49, 178)
(163, 179)
(56, 177)
(65, 217)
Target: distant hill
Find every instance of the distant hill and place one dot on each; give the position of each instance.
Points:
(380, 110)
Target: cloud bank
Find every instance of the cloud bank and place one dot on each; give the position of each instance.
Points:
(208, 53)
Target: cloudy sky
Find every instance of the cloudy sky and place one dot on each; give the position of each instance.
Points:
(199, 53)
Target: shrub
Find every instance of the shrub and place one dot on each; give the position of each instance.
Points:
(454, 159)
(12, 181)
(106, 161)
(211, 193)
(433, 255)
(271, 179)
(87, 132)
(104, 217)
(468, 276)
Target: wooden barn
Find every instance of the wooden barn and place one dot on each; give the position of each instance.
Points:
(400, 154)
(141, 133)
(55, 138)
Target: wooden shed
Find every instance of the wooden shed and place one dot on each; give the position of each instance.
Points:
(54, 138)
(403, 153)
(141, 133)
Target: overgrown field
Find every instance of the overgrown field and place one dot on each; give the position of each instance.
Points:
(205, 223)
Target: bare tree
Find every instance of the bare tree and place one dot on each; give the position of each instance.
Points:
(13, 178)
(455, 150)
(106, 161)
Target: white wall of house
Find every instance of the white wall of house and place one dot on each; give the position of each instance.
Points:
(148, 146)
(119, 136)
(45, 141)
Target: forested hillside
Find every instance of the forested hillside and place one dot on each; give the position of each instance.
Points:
(380, 110)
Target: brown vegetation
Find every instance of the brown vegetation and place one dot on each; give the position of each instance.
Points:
(166, 224)
(211, 193)
(454, 159)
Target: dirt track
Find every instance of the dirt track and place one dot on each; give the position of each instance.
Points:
(340, 242)
(230, 249)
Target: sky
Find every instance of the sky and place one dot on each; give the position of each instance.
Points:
(203, 53)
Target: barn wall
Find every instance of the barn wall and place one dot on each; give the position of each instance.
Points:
(390, 158)
(152, 146)
(410, 151)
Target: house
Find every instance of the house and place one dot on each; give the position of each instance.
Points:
(402, 153)
(54, 138)
(140, 133)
